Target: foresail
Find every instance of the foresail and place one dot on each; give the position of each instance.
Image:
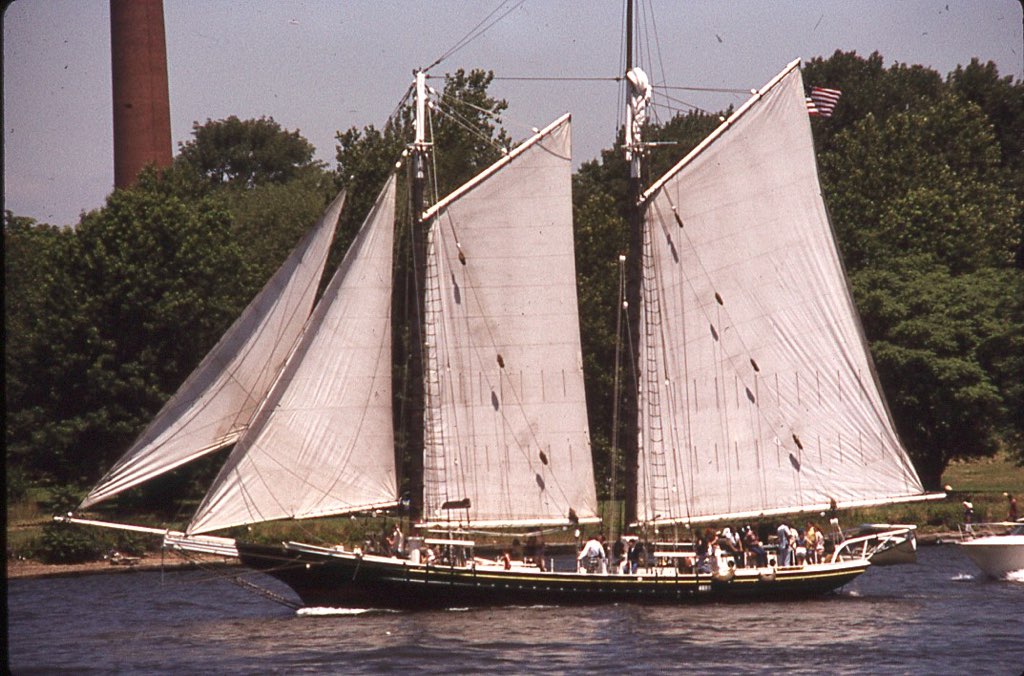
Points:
(220, 397)
(757, 390)
(506, 438)
(323, 442)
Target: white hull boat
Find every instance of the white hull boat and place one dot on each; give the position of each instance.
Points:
(997, 555)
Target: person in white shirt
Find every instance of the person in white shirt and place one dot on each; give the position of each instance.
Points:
(593, 554)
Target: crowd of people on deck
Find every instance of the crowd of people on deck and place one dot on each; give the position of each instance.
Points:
(745, 547)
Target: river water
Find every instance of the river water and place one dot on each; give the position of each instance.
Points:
(937, 617)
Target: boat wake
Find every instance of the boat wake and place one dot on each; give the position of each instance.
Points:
(1015, 576)
(962, 577)
(326, 611)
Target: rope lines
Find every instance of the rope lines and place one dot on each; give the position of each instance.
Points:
(477, 30)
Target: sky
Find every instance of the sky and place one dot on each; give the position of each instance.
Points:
(324, 66)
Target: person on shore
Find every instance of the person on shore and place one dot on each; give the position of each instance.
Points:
(1011, 512)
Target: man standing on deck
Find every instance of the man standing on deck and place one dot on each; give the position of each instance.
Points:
(593, 554)
(785, 552)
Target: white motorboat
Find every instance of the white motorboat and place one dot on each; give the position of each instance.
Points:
(997, 555)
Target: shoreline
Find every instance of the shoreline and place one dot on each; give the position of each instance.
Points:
(28, 569)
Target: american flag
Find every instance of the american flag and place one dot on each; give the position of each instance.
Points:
(822, 101)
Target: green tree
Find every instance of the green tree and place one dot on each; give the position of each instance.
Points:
(868, 89)
(467, 136)
(927, 181)
(147, 286)
(1002, 100)
(931, 334)
(926, 206)
(246, 153)
(105, 321)
(267, 180)
(35, 281)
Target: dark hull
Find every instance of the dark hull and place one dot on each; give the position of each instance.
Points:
(326, 578)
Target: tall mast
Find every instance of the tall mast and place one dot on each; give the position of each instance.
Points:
(413, 432)
(634, 271)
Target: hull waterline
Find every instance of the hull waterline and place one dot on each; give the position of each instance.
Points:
(329, 578)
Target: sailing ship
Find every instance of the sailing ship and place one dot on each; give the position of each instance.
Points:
(755, 393)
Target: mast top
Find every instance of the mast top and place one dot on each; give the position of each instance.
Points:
(420, 142)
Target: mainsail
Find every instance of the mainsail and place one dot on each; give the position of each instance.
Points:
(757, 391)
(323, 442)
(506, 435)
(220, 397)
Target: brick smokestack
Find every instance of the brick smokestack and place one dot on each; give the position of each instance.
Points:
(142, 111)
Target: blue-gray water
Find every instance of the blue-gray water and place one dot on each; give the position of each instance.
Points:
(936, 617)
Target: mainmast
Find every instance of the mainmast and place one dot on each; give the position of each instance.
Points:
(413, 432)
(637, 94)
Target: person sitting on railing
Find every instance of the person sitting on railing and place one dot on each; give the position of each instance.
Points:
(752, 544)
(731, 546)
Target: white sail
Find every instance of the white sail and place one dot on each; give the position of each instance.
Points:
(219, 398)
(506, 435)
(757, 391)
(323, 442)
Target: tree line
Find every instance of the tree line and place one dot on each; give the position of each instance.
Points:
(923, 176)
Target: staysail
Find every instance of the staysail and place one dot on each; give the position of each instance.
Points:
(757, 392)
(506, 435)
(323, 442)
(219, 398)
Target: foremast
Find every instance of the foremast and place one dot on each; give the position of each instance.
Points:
(637, 96)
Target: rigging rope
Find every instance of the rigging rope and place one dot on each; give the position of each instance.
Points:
(476, 31)
(238, 580)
